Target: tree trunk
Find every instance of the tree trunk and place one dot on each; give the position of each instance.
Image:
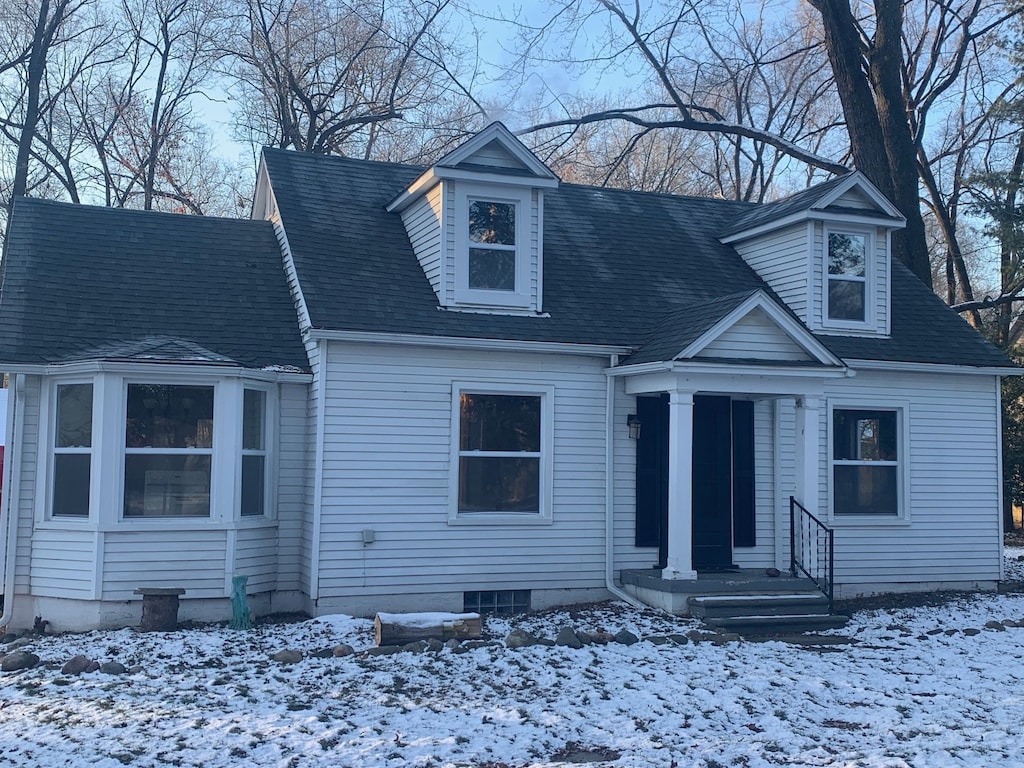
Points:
(33, 83)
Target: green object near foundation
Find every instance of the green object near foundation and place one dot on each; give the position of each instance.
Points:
(240, 617)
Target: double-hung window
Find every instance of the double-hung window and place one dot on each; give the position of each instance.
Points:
(254, 453)
(168, 451)
(72, 451)
(847, 276)
(866, 462)
(492, 246)
(502, 455)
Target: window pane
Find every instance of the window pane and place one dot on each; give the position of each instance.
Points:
(499, 423)
(253, 410)
(846, 300)
(499, 484)
(161, 416)
(253, 485)
(166, 486)
(493, 223)
(846, 254)
(866, 490)
(71, 484)
(864, 435)
(74, 416)
(492, 270)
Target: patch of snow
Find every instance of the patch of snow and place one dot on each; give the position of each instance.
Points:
(907, 694)
(1013, 558)
(425, 620)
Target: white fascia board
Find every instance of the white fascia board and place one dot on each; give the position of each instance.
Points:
(423, 184)
(811, 214)
(853, 218)
(638, 369)
(494, 177)
(858, 179)
(734, 380)
(498, 132)
(29, 369)
(464, 342)
(759, 369)
(904, 367)
(796, 332)
(167, 370)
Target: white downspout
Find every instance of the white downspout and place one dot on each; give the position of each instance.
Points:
(318, 472)
(609, 492)
(12, 479)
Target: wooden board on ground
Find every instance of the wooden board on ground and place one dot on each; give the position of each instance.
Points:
(399, 628)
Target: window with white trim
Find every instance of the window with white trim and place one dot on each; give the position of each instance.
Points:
(866, 462)
(502, 452)
(72, 451)
(847, 276)
(254, 453)
(168, 450)
(492, 247)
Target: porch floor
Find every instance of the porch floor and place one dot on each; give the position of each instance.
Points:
(673, 594)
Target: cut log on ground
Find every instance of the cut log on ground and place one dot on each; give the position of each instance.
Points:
(400, 628)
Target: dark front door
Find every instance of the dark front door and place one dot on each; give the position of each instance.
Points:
(712, 482)
(723, 478)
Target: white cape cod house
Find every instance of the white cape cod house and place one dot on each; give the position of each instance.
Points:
(471, 386)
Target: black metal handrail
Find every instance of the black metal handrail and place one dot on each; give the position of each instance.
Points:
(812, 549)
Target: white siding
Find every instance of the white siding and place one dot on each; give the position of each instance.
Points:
(780, 258)
(422, 222)
(193, 559)
(854, 198)
(256, 556)
(495, 155)
(954, 484)
(29, 454)
(293, 488)
(63, 563)
(755, 336)
(387, 463)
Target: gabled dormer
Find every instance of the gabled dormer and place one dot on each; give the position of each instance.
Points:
(475, 220)
(826, 253)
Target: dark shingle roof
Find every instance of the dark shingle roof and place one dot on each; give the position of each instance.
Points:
(82, 282)
(617, 266)
(803, 200)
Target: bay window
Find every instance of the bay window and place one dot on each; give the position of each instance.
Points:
(254, 453)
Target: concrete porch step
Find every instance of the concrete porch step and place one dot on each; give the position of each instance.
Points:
(777, 624)
(734, 606)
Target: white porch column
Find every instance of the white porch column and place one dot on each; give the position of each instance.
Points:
(808, 421)
(680, 487)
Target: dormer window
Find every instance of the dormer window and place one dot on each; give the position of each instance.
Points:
(491, 248)
(847, 277)
(492, 245)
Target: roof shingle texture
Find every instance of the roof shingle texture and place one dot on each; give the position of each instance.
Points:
(83, 282)
(618, 266)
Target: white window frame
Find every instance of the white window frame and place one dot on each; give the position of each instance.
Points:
(268, 454)
(547, 411)
(869, 279)
(902, 463)
(49, 475)
(521, 198)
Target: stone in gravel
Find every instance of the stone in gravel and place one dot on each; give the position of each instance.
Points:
(656, 639)
(471, 644)
(384, 650)
(972, 632)
(567, 637)
(138, 669)
(10, 636)
(584, 638)
(935, 631)
(995, 625)
(950, 632)
(625, 637)
(520, 638)
(1010, 623)
(322, 653)
(93, 666)
(679, 639)
(451, 644)
(76, 665)
(923, 637)
(287, 656)
(416, 646)
(434, 645)
(19, 642)
(112, 668)
(546, 641)
(12, 662)
(343, 650)
(601, 638)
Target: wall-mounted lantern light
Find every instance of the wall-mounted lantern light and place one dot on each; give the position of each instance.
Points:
(634, 423)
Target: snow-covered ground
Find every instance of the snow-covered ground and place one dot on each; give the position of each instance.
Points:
(915, 690)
